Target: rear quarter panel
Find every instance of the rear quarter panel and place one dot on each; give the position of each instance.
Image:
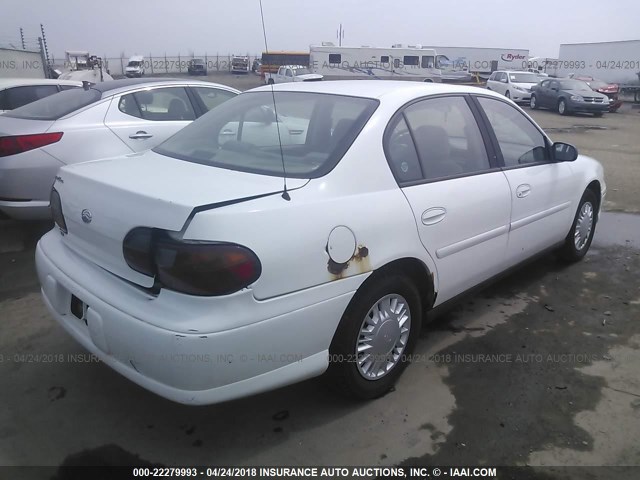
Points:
(290, 237)
(86, 137)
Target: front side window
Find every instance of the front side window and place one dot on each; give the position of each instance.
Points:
(212, 97)
(308, 132)
(288, 73)
(520, 141)
(447, 137)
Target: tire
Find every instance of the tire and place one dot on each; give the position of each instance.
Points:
(578, 239)
(348, 372)
(532, 103)
(270, 81)
(507, 94)
(562, 107)
(598, 114)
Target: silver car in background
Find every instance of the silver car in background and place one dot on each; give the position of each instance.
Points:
(99, 121)
(17, 92)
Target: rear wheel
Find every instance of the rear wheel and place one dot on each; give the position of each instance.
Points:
(582, 230)
(532, 102)
(376, 334)
(270, 81)
(562, 107)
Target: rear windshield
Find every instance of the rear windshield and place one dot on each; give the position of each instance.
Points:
(310, 133)
(56, 106)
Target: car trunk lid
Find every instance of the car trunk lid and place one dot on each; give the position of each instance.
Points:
(104, 200)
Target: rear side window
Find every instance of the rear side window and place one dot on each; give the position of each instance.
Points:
(401, 153)
(411, 60)
(57, 106)
(447, 137)
(519, 140)
(427, 61)
(17, 97)
(159, 104)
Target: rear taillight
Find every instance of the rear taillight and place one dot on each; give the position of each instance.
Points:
(23, 143)
(191, 267)
(56, 210)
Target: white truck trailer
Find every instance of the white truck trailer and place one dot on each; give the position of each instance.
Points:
(483, 61)
(396, 63)
(615, 62)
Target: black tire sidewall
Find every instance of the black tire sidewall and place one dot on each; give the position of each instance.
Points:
(343, 370)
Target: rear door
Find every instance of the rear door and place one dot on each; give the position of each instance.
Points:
(542, 192)
(459, 199)
(146, 118)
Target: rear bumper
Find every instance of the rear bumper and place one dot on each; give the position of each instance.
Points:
(188, 365)
(25, 184)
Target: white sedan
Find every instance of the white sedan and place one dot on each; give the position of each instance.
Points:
(206, 270)
(104, 120)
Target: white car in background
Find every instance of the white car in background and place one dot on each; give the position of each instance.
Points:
(107, 119)
(17, 92)
(209, 269)
(515, 85)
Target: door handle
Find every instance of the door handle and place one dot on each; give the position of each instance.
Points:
(140, 135)
(523, 190)
(433, 215)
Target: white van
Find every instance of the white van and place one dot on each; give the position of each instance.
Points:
(135, 67)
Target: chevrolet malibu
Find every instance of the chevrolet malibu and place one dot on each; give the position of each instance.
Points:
(305, 229)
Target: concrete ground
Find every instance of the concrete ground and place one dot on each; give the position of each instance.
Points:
(539, 369)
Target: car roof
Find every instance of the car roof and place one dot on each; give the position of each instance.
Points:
(375, 88)
(22, 82)
(113, 87)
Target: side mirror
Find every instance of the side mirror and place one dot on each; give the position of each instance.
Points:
(563, 152)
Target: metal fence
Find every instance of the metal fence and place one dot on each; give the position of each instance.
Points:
(166, 64)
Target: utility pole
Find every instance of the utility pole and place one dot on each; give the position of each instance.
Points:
(340, 35)
(22, 38)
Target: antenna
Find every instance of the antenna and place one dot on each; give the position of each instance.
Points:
(285, 194)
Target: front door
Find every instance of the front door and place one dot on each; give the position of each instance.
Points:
(148, 117)
(542, 207)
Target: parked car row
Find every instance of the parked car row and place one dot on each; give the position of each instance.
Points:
(294, 230)
(565, 95)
